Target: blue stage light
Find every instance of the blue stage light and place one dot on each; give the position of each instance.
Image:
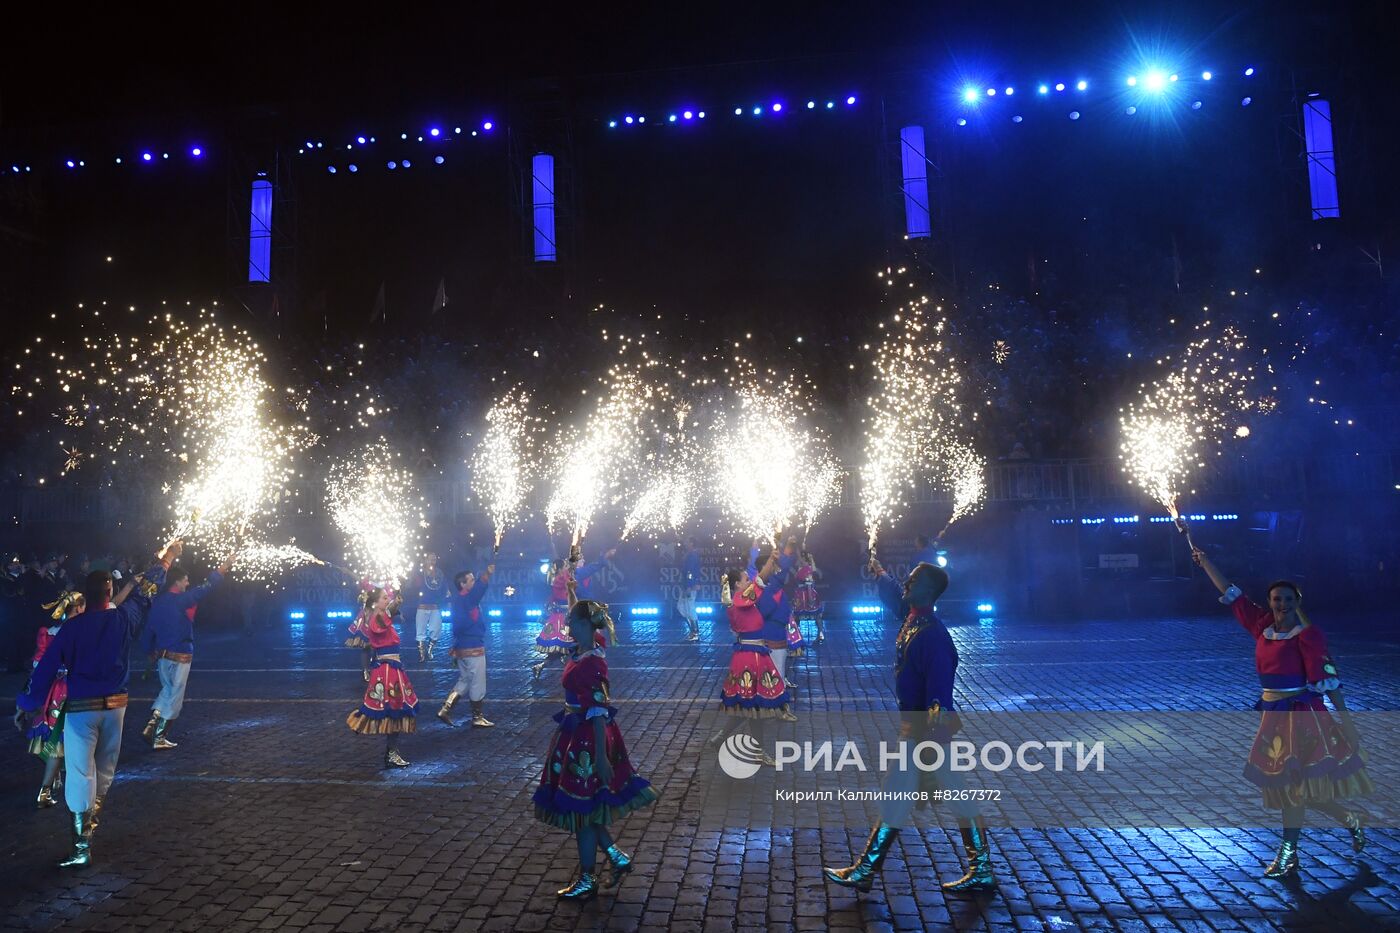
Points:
(962, 121)
(986, 607)
(757, 111)
(645, 611)
(1173, 77)
(969, 96)
(331, 169)
(1044, 89)
(1059, 87)
(393, 165)
(353, 167)
(196, 152)
(777, 108)
(1195, 105)
(1016, 119)
(941, 560)
(488, 126)
(534, 613)
(641, 119)
(1010, 91)
(1247, 101)
(612, 124)
(1130, 111)
(688, 114)
(435, 132)
(146, 157)
(704, 610)
(407, 164)
(850, 101)
(1132, 80)
(1249, 72)
(738, 111)
(1156, 81)
(1074, 114)
(991, 92)
(701, 114)
(811, 105)
(1206, 76)
(119, 162)
(671, 118)
(71, 164)
(494, 613)
(360, 140)
(861, 609)
(1083, 85)
(830, 104)
(628, 120)
(296, 614)
(439, 159)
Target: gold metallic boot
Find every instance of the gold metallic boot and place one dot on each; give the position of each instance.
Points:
(585, 888)
(162, 741)
(1355, 823)
(447, 705)
(82, 843)
(149, 733)
(861, 875)
(1285, 864)
(979, 875)
(478, 719)
(621, 864)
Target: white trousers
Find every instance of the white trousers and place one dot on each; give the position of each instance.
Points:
(429, 625)
(471, 678)
(174, 675)
(91, 743)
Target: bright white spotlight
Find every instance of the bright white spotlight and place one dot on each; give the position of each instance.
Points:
(1249, 72)
(1083, 85)
(1045, 89)
(991, 92)
(1059, 87)
(1206, 76)
(1156, 81)
(1010, 91)
(969, 96)
(962, 121)
(1132, 80)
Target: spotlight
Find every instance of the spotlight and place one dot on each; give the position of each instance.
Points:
(688, 114)
(1249, 72)
(738, 111)
(488, 126)
(701, 114)
(331, 169)
(1074, 114)
(1010, 91)
(628, 120)
(119, 162)
(1130, 111)
(71, 164)
(196, 152)
(1195, 105)
(439, 160)
(991, 92)
(1247, 101)
(393, 165)
(1132, 80)
(1016, 119)
(777, 108)
(401, 136)
(457, 130)
(360, 140)
(639, 120)
(1083, 85)
(1206, 76)
(146, 157)
(407, 164)
(850, 101)
(970, 96)
(1174, 77)
(1156, 81)
(612, 124)
(353, 167)
(1059, 87)
(830, 104)
(1044, 89)
(435, 132)
(671, 118)
(962, 121)
(985, 607)
(757, 111)
(811, 105)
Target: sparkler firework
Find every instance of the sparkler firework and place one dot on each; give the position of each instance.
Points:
(504, 462)
(756, 460)
(1185, 413)
(372, 502)
(818, 480)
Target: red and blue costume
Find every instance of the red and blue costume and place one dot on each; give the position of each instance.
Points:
(554, 637)
(390, 704)
(46, 733)
(571, 794)
(1300, 754)
(754, 687)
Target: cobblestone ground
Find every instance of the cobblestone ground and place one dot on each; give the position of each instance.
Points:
(271, 815)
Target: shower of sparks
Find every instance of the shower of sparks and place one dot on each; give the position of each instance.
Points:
(503, 466)
(755, 460)
(179, 403)
(913, 414)
(672, 481)
(1001, 352)
(818, 475)
(261, 561)
(1185, 413)
(598, 457)
(372, 502)
(967, 476)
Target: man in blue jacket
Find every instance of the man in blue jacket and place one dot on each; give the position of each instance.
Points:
(168, 639)
(95, 649)
(469, 646)
(774, 607)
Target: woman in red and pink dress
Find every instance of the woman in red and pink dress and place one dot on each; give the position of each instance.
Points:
(390, 705)
(46, 733)
(753, 688)
(588, 780)
(554, 641)
(1301, 758)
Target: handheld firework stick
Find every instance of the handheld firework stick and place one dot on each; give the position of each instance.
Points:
(1180, 521)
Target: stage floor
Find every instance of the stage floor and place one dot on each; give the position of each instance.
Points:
(272, 814)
